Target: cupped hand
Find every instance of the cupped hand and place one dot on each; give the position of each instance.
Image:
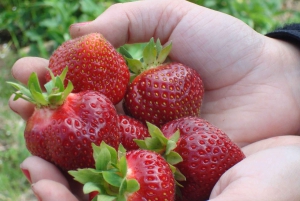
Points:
(251, 81)
(269, 172)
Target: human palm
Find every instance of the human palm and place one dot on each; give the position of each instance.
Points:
(252, 89)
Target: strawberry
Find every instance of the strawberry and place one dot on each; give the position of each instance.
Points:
(93, 64)
(64, 124)
(135, 175)
(206, 151)
(130, 129)
(160, 92)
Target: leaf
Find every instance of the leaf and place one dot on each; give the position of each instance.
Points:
(158, 46)
(33, 81)
(154, 144)
(22, 89)
(135, 66)
(91, 187)
(67, 90)
(173, 158)
(125, 53)
(171, 145)
(105, 198)
(141, 143)
(37, 96)
(154, 131)
(178, 175)
(175, 137)
(112, 178)
(123, 187)
(123, 166)
(149, 53)
(132, 185)
(164, 53)
(87, 175)
(63, 75)
(102, 156)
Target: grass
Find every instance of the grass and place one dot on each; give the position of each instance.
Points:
(12, 145)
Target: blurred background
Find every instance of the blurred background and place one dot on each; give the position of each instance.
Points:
(37, 27)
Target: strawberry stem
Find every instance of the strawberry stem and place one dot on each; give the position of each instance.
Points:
(154, 54)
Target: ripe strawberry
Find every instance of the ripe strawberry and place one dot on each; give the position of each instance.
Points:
(161, 92)
(134, 176)
(207, 153)
(130, 129)
(93, 64)
(64, 124)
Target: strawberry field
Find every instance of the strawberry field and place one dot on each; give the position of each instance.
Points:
(37, 27)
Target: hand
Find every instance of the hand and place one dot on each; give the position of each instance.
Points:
(270, 172)
(252, 88)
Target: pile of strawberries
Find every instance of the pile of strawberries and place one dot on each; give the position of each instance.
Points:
(158, 148)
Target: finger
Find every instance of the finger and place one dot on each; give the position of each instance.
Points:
(271, 174)
(48, 190)
(271, 143)
(21, 107)
(23, 67)
(130, 23)
(36, 169)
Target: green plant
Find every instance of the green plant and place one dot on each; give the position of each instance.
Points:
(263, 16)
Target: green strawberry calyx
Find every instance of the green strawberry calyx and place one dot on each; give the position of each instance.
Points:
(164, 146)
(109, 176)
(53, 97)
(154, 54)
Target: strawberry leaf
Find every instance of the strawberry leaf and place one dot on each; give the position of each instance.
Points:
(125, 53)
(171, 145)
(149, 53)
(141, 143)
(155, 132)
(175, 137)
(37, 96)
(105, 198)
(135, 66)
(91, 187)
(54, 96)
(164, 53)
(123, 166)
(132, 185)
(33, 81)
(112, 178)
(87, 175)
(158, 46)
(102, 157)
(173, 158)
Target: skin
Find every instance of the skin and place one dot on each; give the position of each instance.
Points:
(252, 93)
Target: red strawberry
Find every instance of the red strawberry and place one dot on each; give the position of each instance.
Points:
(134, 176)
(130, 129)
(200, 151)
(161, 92)
(207, 153)
(93, 64)
(64, 124)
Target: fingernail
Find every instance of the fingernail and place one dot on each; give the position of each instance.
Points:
(80, 24)
(27, 174)
(36, 195)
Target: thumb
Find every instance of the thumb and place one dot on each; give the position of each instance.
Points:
(135, 22)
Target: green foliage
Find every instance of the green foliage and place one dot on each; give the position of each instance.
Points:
(263, 16)
(33, 23)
